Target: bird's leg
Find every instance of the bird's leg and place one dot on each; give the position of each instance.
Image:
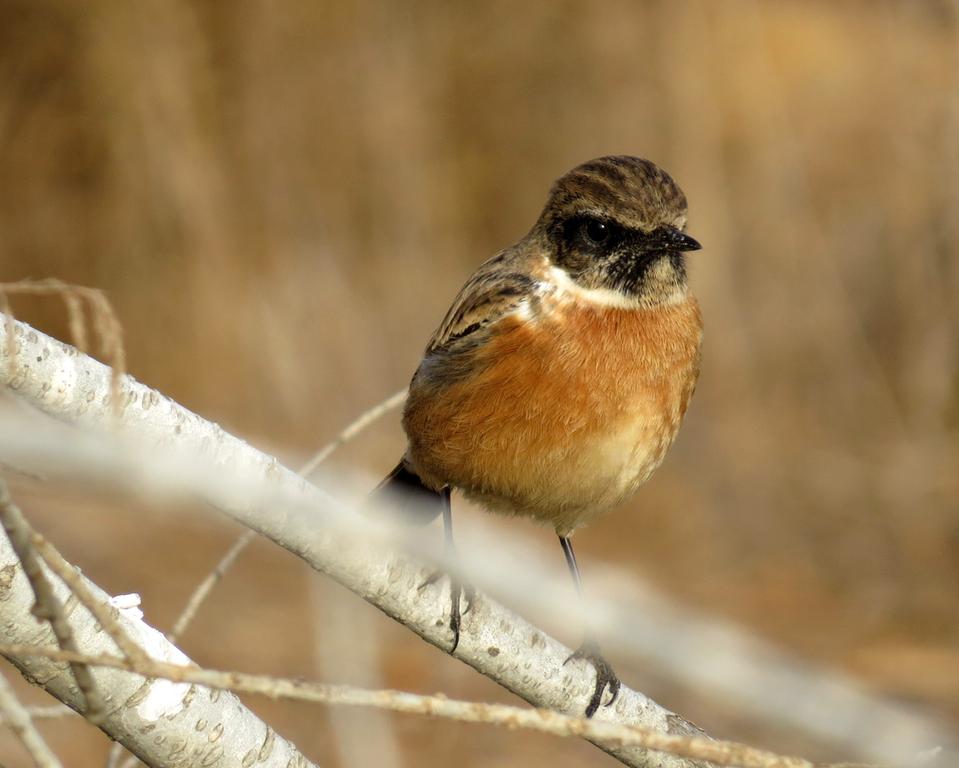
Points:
(459, 591)
(589, 650)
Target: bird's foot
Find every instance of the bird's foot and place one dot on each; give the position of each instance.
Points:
(605, 677)
(461, 600)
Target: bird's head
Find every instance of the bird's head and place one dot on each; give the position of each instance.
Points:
(617, 224)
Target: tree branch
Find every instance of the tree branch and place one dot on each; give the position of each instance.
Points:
(155, 719)
(261, 494)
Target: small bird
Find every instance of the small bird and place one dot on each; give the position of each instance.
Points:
(559, 377)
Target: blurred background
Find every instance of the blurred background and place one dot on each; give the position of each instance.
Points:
(281, 199)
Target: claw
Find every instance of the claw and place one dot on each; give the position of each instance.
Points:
(458, 592)
(605, 677)
(456, 616)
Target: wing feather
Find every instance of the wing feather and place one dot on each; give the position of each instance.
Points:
(493, 292)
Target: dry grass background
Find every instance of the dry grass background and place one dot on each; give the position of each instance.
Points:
(281, 199)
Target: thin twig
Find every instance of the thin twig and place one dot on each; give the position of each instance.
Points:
(110, 333)
(352, 430)
(206, 586)
(17, 718)
(113, 759)
(52, 712)
(78, 329)
(104, 319)
(10, 325)
(47, 606)
(103, 613)
(724, 753)
(116, 755)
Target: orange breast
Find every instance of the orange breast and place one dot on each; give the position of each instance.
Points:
(565, 415)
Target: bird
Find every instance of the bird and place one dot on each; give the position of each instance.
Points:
(559, 377)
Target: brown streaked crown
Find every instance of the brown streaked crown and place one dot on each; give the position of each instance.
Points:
(617, 223)
(635, 192)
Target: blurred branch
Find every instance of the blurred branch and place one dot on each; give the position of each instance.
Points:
(17, 718)
(154, 719)
(52, 712)
(62, 382)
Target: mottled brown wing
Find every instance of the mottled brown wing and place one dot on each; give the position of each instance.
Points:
(494, 291)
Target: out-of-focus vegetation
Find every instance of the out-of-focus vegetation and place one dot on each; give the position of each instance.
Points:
(282, 198)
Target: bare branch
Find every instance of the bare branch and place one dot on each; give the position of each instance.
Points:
(260, 493)
(78, 329)
(352, 430)
(52, 712)
(17, 718)
(206, 586)
(47, 606)
(115, 756)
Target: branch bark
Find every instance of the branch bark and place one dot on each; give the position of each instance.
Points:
(64, 383)
(162, 723)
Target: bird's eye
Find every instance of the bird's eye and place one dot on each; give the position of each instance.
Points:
(594, 231)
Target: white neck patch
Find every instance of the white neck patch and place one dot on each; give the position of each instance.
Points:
(560, 282)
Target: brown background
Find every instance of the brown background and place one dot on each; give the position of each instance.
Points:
(281, 198)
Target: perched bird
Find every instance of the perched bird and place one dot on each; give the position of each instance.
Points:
(560, 375)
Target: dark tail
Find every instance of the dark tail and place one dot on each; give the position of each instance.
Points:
(403, 491)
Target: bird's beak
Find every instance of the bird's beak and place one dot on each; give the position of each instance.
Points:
(674, 240)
